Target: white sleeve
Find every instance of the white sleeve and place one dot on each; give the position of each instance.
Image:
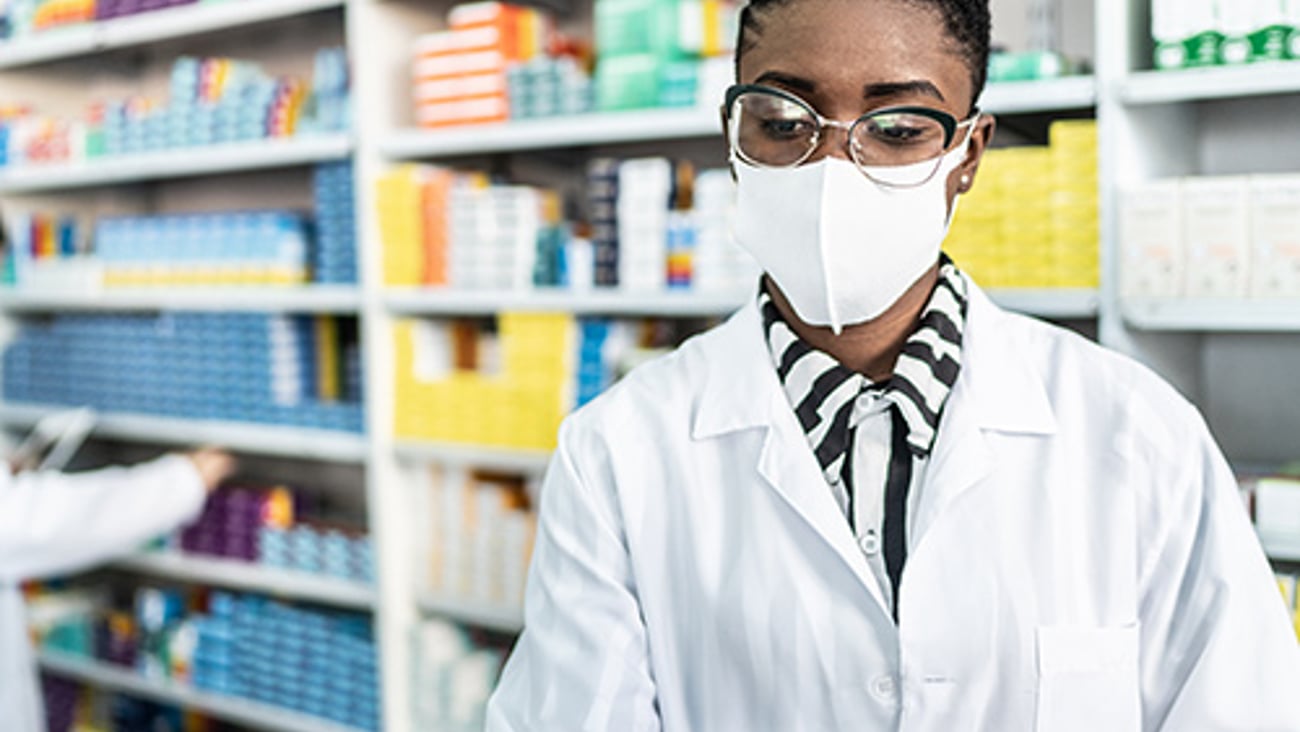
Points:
(1218, 649)
(582, 663)
(54, 523)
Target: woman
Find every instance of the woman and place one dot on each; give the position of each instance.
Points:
(873, 500)
(54, 524)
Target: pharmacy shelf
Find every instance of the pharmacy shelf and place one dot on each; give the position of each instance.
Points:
(586, 130)
(1213, 315)
(1047, 95)
(481, 615)
(243, 712)
(1191, 85)
(450, 302)
(1059, 304)
(151, 27)
(661, 125)
(246, 576)
(1281, 552)
(341, 300)
(255, 439)
(1044, 303)
(176, 163)
(529, 462)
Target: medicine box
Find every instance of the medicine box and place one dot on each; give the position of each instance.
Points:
(1275, 235)
(1186, 33)
(1216, 226)
(1151, 224)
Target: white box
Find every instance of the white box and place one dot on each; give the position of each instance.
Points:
(1277, 515)
(1275, 235)
(1216, 229)
(1151, 240)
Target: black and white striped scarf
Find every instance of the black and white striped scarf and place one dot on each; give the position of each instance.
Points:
(823, 394)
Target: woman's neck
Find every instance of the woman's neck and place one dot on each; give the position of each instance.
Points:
(870, 348)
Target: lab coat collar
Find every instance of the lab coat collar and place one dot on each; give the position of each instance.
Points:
(998, 381)
(998, 390)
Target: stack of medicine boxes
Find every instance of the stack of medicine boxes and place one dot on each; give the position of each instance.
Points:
(649, 52)
(518, 404)
(460, 73)
(1191, 33)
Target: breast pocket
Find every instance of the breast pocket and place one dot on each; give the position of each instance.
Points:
(1088, 679)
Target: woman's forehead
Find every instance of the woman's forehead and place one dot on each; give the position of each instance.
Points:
(848, 47)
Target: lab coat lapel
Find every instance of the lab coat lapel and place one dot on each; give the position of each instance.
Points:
(743, 391)
(997, 391)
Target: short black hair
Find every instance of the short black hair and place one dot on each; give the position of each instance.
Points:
(967, 22)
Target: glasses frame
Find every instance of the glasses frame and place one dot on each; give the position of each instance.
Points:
(947, 121)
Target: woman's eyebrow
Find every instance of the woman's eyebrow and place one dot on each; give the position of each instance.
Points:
(899, 88)
(793, 82)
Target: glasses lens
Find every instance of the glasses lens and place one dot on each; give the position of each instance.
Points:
(898, 147)
(769, 129)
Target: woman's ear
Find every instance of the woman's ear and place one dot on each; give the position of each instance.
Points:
(980, 139)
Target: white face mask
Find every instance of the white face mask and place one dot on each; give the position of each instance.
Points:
(841, 247)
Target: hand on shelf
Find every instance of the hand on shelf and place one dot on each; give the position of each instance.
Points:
(214, 465)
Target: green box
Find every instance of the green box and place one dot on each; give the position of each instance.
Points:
(629, 27)
(628, 82)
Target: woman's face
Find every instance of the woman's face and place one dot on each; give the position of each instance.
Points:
(849, 57)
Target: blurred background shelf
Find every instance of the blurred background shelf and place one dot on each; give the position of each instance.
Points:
(1192, 85)
(1213, 315)
(230, 709)
(152, 27)
(490, 617)
(530, 462)
(252, 577)
(336, 299)
(177, 163)
(255, 439)
(450, 302)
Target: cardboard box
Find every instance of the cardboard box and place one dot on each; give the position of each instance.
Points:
(1216, 228)
(1151, 240)
(1275, 235)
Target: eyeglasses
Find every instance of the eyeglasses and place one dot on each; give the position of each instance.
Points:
(897, 146)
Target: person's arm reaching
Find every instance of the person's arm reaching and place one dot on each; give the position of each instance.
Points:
(54, 523)
(582, 663)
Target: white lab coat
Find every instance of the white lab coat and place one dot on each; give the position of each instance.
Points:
(1079, 560)
(54, 524)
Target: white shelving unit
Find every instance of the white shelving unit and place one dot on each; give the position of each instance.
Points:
(1192, 85)
(527, 462)
(249, 577)
(226, 708)
(311, 444)
(1038, 97)
(340, 300)
(1279, 552)
(668, 125)
(232, 157)
(490, 617)
(1214, 315)
(152, 27)
(1056, 304)
(595, 302)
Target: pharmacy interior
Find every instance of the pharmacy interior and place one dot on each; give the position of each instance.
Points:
(380, 248)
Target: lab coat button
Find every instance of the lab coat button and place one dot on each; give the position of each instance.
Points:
(884, 688)
(870, 542)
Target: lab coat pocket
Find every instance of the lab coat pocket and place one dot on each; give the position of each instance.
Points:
(1088, 679)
